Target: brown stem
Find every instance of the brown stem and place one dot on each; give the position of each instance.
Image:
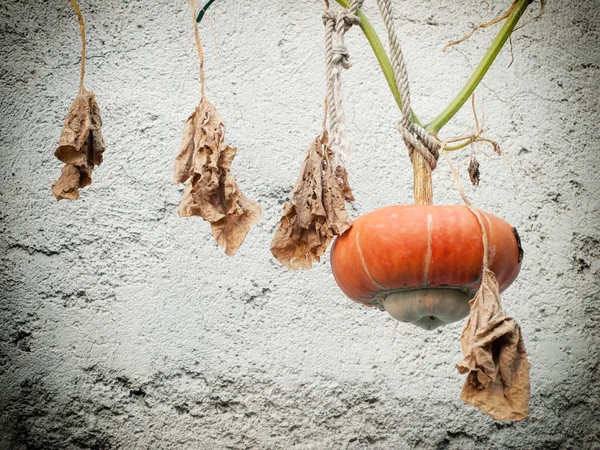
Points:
(199, 48)
(82, 31)
(422, 185)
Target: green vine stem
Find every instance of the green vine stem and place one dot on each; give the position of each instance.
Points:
(203, 10)
(442, 119)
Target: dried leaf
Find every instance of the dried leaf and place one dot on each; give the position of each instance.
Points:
(494, 357)
(72, 178)
(496, 147)
(80, 147)
(473, 170)
(212, 192)
(316, 212)
(342, 176)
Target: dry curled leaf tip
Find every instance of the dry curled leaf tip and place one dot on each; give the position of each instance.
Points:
(81, 146)
(474, 173)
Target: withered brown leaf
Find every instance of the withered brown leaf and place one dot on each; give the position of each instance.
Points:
(342, 176)
(316, 212)
(80, 147)
(494, 357)
(212, 192)
(474, 173)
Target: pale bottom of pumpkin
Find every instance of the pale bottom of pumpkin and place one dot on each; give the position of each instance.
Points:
(428, 308)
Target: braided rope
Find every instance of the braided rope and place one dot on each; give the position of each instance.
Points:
(337, 58)
(415, 137)
(329, 23)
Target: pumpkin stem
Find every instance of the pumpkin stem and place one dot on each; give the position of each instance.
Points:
(422, 184)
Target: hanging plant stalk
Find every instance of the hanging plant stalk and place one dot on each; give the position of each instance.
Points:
(81, 144)
(204, 162)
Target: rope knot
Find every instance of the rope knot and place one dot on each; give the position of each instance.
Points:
(329, 15)
(341, 55)
(349, 19)
(417, 138)
(339, 22)
(343, 18)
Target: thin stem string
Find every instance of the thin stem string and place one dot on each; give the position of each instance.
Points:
(82, 32)
(473, 209)
(199, 48)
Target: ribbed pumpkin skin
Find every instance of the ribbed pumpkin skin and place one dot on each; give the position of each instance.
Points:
(412, 246)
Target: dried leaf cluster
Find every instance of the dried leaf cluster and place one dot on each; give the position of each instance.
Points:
(316, 212)
(80, 147)
(494, 357)
(204, 161)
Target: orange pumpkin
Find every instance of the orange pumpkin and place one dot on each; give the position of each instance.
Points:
(422, 263)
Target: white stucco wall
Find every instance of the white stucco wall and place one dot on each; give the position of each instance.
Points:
(125, 326)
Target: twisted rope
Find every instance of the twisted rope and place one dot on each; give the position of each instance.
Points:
(337, 58)
(415, 137)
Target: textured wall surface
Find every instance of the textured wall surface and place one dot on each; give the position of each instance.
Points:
(123, 326)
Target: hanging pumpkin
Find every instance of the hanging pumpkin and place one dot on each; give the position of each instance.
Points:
(422, 263)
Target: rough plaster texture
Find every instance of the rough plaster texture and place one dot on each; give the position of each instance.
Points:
(124, 326)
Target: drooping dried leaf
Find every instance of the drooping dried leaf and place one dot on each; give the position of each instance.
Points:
(342, 176)
(474, 173)
(80, 147)
(494, 357)
(316, 212)
(212, 192)
(72, 178)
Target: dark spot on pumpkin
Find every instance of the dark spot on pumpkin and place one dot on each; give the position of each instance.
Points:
(518, 238)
